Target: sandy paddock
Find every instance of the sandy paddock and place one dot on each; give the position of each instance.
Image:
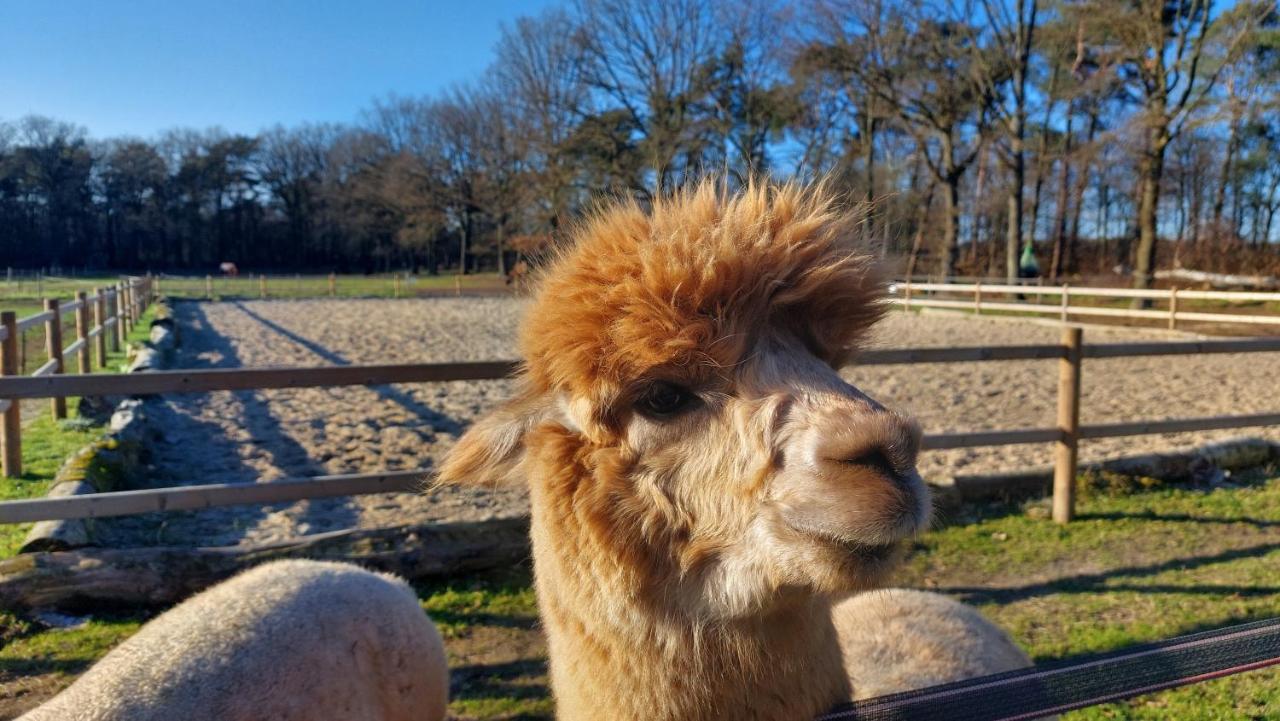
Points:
(245, 436)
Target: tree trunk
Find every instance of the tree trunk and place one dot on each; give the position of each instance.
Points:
(1072, 262)
(951, 228)
(1228, 160)
(1014, 229)
(869, 174)
(975, 227)
(917, 242)
(1151, 168)
(1060, 211)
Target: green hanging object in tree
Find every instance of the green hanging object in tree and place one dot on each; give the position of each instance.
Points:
(1027, 266)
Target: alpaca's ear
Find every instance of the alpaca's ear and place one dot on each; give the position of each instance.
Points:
(492, 448)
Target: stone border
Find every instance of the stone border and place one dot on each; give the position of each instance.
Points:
(1205, 464)
(104, 464)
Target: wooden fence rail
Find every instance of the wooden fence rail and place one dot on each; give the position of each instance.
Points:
(98, 324)
(1066, 435)
(909, 295)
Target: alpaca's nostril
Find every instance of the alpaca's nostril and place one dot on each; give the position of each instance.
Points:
(876, 461)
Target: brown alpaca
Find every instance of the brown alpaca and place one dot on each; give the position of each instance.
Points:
(704, 484)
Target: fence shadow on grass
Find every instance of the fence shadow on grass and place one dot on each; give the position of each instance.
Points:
(501, 683)
(1179, 518)
(1098, 582)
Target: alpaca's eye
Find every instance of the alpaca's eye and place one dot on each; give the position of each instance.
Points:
(662, 400)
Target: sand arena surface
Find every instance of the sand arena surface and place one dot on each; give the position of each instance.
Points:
(228, 437)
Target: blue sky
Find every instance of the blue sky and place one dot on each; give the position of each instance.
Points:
(136, 67)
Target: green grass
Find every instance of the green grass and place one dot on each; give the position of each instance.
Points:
(33, 291)
(317, 286)
(30, 650)
(45, 445)
(497, 656)
(1134, 568)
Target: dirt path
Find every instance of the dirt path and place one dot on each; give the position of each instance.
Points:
(247, 436)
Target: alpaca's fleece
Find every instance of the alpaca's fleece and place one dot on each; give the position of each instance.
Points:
(692, 283)
(703, 482)
(287, 641)
(897, 640)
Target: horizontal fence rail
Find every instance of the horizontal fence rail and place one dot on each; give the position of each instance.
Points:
(238, 379)
(232, 379)
(908, 295)
(188, 498)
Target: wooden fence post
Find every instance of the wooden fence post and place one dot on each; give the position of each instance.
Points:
(333, 286)
(395, 285)
(83, 362)
(1066, 450)
(262, 286)
(53, 346)
(208, 287)
(117, 334)
(100, 317)
(1066, 301)
(1173, 309)
(11, 430)
(126, 316)
(977, 298)
(906, 295)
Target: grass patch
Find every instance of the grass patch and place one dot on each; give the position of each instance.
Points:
(1135, 568)
(317, 286)
(46, 443)
(497, 656)
(32, 649)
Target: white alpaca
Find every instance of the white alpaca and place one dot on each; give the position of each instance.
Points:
(896, 640)
(286, 641)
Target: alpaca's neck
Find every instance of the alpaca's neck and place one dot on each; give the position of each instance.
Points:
(614, 656)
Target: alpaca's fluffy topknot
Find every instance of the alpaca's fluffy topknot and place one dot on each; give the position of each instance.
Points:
(687, 286)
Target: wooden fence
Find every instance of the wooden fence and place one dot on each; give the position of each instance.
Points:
(102, 320)
(978, 299)
(1066, 434)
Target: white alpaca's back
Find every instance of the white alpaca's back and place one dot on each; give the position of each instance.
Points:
(896, 640)
(286, 641)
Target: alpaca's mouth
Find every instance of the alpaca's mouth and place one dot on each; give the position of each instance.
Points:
(870, 553)
(859, 550)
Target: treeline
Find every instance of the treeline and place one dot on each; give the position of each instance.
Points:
(1088, 134)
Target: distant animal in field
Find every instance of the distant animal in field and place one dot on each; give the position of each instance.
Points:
(286, 641)
(705, 486)
(229, 269)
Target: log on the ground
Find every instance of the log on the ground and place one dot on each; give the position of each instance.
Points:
(63, 534)
(75, 580)
(1202, 464)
